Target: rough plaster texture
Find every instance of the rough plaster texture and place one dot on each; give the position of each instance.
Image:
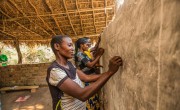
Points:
(146, 34)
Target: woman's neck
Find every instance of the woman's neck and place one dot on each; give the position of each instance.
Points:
(62, 61)
(81, 50)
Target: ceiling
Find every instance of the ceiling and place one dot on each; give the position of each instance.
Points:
(38, 20)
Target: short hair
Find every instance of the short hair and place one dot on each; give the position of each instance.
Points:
(57, 39)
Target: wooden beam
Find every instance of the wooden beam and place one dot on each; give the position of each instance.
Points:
(39, 40)
(84, 22)
(54, 18)
(20, 24)
(87, 26)
(88, 2)
(8, 6)
(69, 17)
(43, 40)
(9, 35)
(69, 11)
(4, 26)
(93, 16)
(90, 9)
(40, 17)
(80, 17)
(16, 44)
(32, 88)
(15, 5)
(80, 36)
(105, 4)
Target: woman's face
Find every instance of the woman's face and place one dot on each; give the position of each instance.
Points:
(85, 46)
(66, 48)
(89, 43)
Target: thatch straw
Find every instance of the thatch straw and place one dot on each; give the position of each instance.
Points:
(33, 22)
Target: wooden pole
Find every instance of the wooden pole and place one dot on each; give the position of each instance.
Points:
(16, 44)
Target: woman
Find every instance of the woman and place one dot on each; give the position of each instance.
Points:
(92, 50)
(82, 60)
(64, 80)
(87, 65)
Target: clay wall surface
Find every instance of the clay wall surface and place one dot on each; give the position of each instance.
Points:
(146, 34)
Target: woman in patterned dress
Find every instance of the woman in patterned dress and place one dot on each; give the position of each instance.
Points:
(87, 65)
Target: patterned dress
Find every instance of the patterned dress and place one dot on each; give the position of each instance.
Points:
(93, 103)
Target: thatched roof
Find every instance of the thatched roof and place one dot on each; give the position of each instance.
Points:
(38, 20)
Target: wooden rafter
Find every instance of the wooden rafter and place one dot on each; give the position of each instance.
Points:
(105, 4)
(70, 11)
(20, 24)
(93, 16)
(73, 37)
(9, 7)
(45, 40)
(9, 35)
(80, 36)
(80, 17)
(26, 16)
(54, 18)
(69, 17)
(40, 17)
(88, 23)
(76, 18)
(3, 26)
(90, 9)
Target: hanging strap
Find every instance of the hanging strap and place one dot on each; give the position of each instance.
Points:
(59, 104)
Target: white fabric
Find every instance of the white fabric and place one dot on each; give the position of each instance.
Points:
(67, 102)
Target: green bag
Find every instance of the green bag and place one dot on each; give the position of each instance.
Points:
(3, 59)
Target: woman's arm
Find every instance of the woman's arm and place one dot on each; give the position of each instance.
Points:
(97, 44)
(91, 64)
(73, 89)
(87, 78)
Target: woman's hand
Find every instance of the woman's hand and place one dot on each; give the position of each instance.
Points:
(100, 52)
(114, 64)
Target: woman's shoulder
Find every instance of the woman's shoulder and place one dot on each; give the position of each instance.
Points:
(79, 54)
(70, 62)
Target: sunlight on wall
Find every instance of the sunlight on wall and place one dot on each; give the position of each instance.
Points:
(119, 3)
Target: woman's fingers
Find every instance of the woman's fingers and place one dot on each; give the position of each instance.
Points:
(116, 60)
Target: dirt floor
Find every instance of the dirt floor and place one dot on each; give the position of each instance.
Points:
(40, 100)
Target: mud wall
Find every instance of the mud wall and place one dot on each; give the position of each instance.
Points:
(25, 74)
(146, 34)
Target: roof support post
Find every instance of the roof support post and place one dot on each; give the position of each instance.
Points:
(16, 44)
